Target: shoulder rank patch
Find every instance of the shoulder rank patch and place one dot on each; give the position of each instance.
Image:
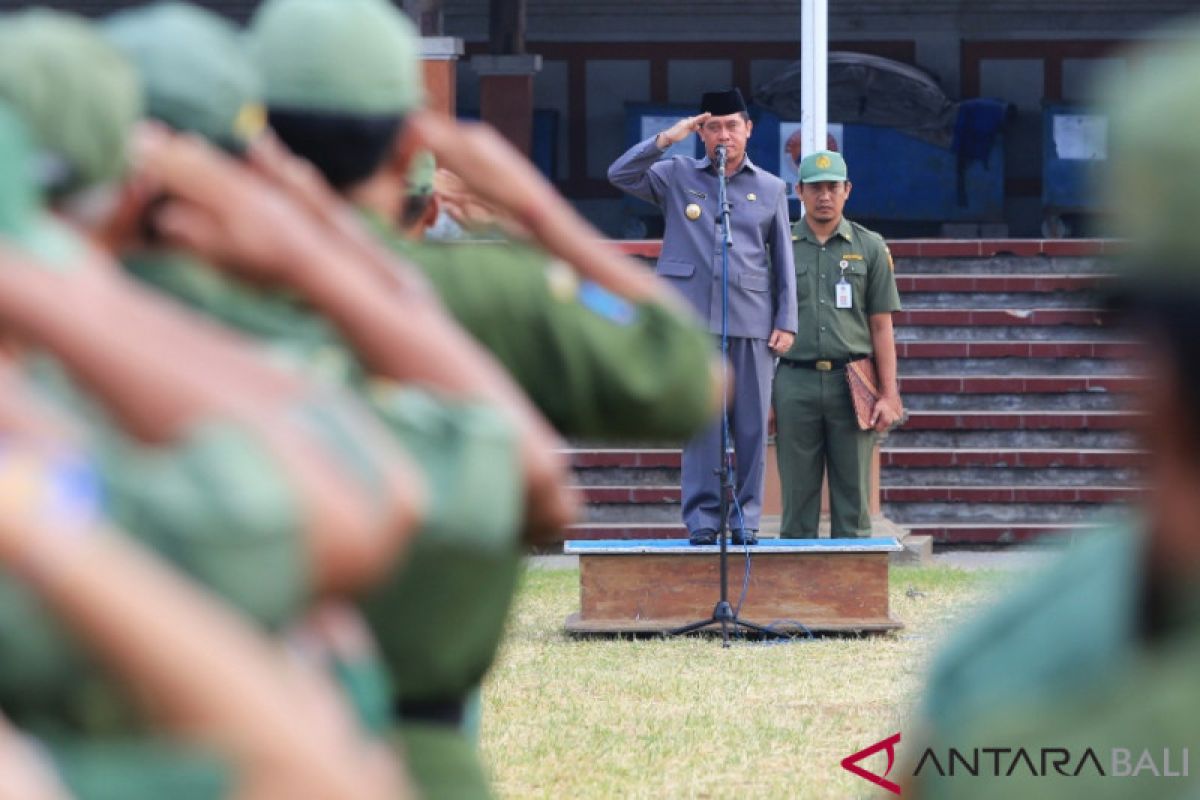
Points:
(603, 303)
(891, 262)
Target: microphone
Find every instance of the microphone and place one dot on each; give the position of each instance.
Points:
(721, 157)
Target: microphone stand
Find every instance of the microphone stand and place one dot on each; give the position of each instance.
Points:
(723, 613)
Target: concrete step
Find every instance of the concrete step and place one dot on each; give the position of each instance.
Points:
(1016, 384)
(1010, 494)
(1001, 300)
(964, 534)
(1033, 283)
(1012, 333)
(955, 512)
(1021, 439)
(1028, 458)
(591, 531)
(670, 495)
(997, 348)
(996, 317)
(1021, 420)
(1012, 366)
(1008, 265)
(630, 513)
(1005, 476)
(1077, 401)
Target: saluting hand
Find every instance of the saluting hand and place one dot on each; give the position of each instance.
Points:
(681, 130)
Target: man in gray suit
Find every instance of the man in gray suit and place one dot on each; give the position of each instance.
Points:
(762, 289)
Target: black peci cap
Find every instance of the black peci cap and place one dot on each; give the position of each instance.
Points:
(721, 104)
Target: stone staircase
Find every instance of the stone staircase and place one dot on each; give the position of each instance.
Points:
(1017, 391)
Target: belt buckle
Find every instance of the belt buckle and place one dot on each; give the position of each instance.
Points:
(823, 366)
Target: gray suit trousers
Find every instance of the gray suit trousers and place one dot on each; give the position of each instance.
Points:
(752, 366)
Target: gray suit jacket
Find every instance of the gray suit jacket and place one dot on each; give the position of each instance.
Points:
(762, 278)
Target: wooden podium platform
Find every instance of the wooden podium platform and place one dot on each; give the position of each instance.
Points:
(657, 585)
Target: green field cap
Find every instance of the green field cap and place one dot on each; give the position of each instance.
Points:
(823, 165)
(77, 94)
(195, 69)
(339, 56)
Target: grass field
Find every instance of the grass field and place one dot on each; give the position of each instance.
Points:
(655, 718)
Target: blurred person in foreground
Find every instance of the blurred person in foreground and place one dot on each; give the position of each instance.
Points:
(135, 681)
(1083, 683)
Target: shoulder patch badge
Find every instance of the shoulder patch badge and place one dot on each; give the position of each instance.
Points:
(606, 304)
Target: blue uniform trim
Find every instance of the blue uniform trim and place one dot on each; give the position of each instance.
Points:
(612, 307)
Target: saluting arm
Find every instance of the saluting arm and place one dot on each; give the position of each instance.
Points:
(157, 388)
(213, 679)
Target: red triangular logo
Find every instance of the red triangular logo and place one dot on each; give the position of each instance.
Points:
(850, 763)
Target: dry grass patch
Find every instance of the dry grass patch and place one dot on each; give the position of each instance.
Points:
(657, 718)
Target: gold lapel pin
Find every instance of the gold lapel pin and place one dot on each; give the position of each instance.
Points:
(692, 211)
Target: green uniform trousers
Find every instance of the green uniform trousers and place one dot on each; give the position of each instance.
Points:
(815, 429)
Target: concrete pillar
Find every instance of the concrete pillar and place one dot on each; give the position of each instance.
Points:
(506, 95)
(440, 55)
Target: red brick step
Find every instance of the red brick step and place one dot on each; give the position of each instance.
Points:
(1015, 349)
(996, 283)
(1016, 457)
(1010, 494)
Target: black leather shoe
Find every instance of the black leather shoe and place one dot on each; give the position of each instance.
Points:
(745, 536)
(703, 536)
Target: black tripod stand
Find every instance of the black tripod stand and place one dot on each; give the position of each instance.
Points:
(723, 613)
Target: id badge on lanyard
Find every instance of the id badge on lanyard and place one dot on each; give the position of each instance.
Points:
(845, 293)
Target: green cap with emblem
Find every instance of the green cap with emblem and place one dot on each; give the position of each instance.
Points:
(1153, 175)
(340, 56)
(823, 165)
(77, 94)
(196, 71)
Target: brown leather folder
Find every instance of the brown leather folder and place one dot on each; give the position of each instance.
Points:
(864, 389)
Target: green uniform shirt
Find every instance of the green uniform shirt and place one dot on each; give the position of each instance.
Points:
(594, 363)
(438, 618)
(215, 506)
(139, 769)
(826, 331)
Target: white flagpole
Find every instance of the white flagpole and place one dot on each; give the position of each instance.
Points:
(814, 91)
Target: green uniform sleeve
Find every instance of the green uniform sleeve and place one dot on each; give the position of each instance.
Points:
(291, 334)
(882, 295)
(439, 617)
(217, 506)
(595, 364)
(141, 769)
(1018, 648)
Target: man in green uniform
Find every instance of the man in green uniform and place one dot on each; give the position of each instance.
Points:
(605, 356)
(1094, 661)
(846, 293)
